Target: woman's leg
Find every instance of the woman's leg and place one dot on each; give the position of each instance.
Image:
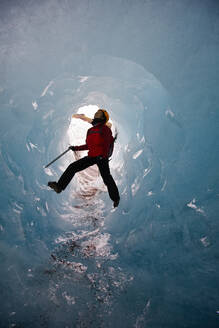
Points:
(77, 166)
(103, 166)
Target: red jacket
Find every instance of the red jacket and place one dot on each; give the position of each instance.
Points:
(99, 141)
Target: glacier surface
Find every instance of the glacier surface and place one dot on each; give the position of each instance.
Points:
(70, 260)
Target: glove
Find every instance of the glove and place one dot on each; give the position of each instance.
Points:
(73, 148)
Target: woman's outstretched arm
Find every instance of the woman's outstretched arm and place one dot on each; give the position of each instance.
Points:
(88, 119)
(82, 117)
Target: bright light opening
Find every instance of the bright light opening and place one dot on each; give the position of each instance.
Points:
(78, 128)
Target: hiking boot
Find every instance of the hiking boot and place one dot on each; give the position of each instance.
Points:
(54, 185)
(116, 203)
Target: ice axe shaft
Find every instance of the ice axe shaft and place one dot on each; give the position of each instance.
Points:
(57, 157)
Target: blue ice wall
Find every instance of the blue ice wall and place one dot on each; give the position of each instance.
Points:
(70, 260)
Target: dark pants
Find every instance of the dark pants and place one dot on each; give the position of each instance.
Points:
(83, 163)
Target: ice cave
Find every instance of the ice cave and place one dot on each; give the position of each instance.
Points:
(71, 260)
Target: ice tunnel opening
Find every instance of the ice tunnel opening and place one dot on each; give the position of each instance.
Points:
(136, 102)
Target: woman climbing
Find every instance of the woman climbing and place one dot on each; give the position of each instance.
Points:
(99, 143)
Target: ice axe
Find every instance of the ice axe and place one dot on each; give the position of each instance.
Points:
(57, 158)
